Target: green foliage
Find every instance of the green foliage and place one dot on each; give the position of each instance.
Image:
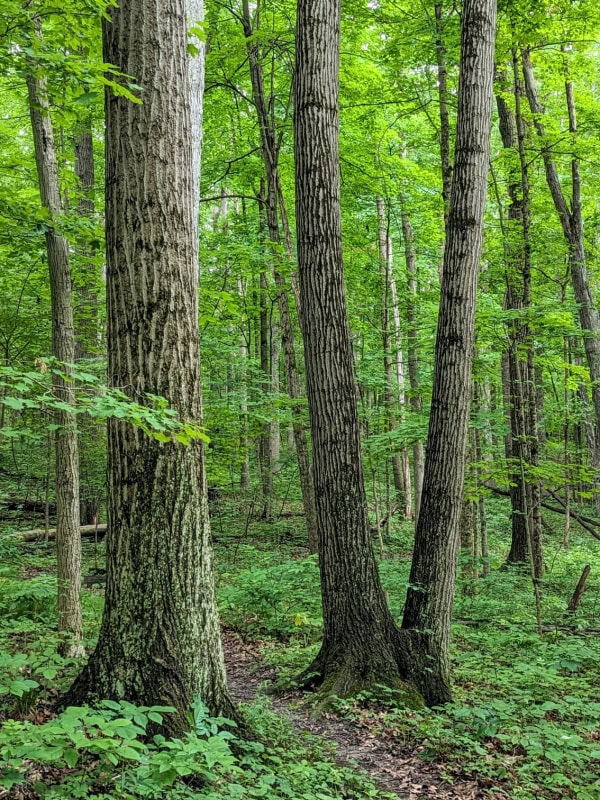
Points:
(280, 601)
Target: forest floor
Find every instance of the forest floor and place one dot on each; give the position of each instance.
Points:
(397, 770)
(524, 725)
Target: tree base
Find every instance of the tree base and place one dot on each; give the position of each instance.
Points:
(350, 671)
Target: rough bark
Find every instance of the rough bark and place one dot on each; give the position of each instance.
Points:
(359, 637)
(159, 641)
(428, 609)
(68, 541)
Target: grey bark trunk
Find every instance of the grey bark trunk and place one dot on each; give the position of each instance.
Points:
(68, 541)
(159, 641)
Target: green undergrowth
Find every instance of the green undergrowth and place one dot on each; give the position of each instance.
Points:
(526, 718)
(525, 721)
(107, 753)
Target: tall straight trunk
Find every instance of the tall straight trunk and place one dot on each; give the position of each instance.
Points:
(266, 464)
(86, 318)
(400, 377)
(159, 641)
(270, 153)
(275, 428)
(416, 399)
(244, 444)
(403, 490)
(571, 220)
(359, 646)
(428, 608)
(68, 540)
(442, 82)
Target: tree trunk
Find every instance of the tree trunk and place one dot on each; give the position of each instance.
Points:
(159, 641)
(359, 638)
(416, 400)
(571, 220)
(402, 487)
(442, 82)
(270, 152)
(428, 609)
(68, 541)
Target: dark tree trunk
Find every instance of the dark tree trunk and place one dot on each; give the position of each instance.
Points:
(159, 641)
(358, 647)
(428, 609)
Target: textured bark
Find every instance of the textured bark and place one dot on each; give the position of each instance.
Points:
(68, 541)
(442, 81)
(270, 152)
(266, 464)
(416, 400)
(159, 641)
(428, 609)
(359, 638)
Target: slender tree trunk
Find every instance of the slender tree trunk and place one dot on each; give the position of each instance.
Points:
(442, 82)
(270, 152)
(416, 400)
(571, 220)
(403, 490)
(244, 444)
(428, 608)
(159, 641)
(68, 541)
(266, 465)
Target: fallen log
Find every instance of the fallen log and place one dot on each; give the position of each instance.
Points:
(39, 534)
(587, 523)
(27, 505)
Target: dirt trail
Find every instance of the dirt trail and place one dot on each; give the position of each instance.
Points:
(392, 767)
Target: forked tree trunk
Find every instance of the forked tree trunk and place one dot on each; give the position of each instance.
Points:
(428, 609)
(68, 541)
(159, 641)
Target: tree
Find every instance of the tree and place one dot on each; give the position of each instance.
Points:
(428, 609)
(68, 542)
(159, 641)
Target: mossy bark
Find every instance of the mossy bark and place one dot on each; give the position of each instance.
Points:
(159, 642)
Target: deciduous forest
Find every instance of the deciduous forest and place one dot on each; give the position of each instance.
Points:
(299, 399)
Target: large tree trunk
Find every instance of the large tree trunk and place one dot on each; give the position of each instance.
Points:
(428, 608)
(68, 541)
(358, 647)
(159, 641)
